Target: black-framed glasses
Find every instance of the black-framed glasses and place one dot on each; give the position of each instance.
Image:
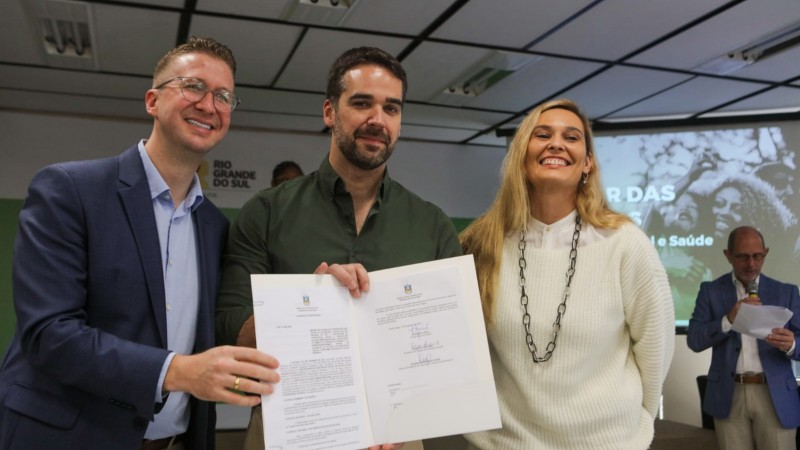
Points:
(194, 90)
(744, 257)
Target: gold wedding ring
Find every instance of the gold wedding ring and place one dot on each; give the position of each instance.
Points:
(236, 384)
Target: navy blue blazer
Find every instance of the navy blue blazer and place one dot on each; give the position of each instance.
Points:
(715, 299)
(83, 365)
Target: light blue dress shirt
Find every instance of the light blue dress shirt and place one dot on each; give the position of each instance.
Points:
(176, 236)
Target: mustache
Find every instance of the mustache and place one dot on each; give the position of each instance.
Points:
(373, 134)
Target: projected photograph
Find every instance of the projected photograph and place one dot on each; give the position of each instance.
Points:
(688, 190)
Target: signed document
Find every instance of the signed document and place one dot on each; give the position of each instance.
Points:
(409, 360)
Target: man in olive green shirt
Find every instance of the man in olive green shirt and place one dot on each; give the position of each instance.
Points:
(346, 218)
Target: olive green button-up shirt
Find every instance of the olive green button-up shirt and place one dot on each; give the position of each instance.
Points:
(309, 220)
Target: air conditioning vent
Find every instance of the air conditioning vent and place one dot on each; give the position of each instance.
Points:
(477, 79)
(67, 33)
(761, 49)
(317, 12)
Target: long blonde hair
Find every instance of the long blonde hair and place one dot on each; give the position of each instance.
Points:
(510, 211)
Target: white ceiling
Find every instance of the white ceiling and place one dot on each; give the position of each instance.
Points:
(622, 60)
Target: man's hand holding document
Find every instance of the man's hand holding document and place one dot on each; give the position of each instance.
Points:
(408, 360)
(759, 320)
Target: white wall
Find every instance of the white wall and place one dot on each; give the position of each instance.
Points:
(681, 397)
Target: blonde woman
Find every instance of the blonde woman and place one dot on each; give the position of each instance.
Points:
(578, 309)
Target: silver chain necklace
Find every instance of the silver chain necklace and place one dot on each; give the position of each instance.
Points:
(526, 318)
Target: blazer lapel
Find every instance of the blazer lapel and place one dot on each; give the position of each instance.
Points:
(728, 298)
(205, 310)
(728, 293)
(134, 192)
(767, 291)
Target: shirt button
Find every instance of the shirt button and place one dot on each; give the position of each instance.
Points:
(169, 307)
(171, 263)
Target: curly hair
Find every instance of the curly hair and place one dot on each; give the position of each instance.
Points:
(765, 209)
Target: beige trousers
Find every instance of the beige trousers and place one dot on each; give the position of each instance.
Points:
(753, 424)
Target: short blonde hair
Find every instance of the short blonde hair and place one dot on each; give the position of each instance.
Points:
(204, 45)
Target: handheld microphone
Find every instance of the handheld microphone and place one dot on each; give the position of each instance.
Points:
(752, 289)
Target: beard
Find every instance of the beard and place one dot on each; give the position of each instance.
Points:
(363, 159)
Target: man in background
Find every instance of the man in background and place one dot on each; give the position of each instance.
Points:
(115, 272)
(285, 171)
(751, 390)
(349, 215)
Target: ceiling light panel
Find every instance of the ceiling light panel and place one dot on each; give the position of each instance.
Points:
(392, 16)
(534, 83)
(615, 28)
(328, 13)
(119, 27)
(698, 94)
(507, 23)
(482, 76)
(778, 67)
(256, 45)
(785, 98)
(271, 9)
(432, 67)
(731, 30)
(308, 68)
(17, 26)
(628, 85)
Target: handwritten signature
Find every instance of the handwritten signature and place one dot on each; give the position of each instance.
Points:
(424, 358)
(425, 345)
(419, 329)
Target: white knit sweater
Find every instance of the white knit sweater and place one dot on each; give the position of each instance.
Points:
(602, 385)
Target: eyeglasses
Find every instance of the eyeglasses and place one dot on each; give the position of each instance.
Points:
(744, 257)
(194, 90)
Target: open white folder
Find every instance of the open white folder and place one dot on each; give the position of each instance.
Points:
(408, 360)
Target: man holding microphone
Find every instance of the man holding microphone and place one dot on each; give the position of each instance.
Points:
(751, 390)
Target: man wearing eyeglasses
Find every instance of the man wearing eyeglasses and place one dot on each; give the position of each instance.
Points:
(115, 273)
(751, 390)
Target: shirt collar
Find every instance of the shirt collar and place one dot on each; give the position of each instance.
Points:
(739, 284)
(567, 221)
(332, 184)
(158, 187)
(556, 235)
